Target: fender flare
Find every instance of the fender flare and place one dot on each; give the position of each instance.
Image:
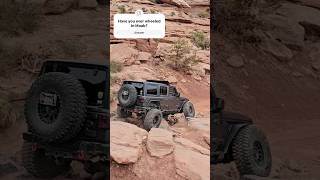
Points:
(235, 128)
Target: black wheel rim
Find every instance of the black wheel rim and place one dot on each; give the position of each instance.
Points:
(156, 121)
(190, 110)
(48, 114)
(259, 156)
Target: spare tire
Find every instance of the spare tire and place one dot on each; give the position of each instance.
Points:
(55, 108)
(127, 95)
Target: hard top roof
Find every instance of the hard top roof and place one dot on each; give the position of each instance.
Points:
(104, 63)
(151, 81)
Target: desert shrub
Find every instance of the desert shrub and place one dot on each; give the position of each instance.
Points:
(115, 66)
(204, 14)
(122, 9)
(71, 48)
(200, 40)
(10, 56)
(114, 79)
(7, 115)
(237, 19)
(113, 96)
(240, 19)
(19, 16)
(182, 57)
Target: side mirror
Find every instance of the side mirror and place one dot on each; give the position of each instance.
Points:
(218, 105)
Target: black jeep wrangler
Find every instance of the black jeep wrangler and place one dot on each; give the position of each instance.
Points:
(151, 101)
(67, 113)
(235, 138)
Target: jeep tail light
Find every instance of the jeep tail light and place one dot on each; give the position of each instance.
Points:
(102, 119)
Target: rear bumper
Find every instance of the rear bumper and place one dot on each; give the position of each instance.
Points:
(77, 150)
(136, 109)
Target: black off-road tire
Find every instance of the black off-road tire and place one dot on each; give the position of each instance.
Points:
(122, 113)
(188, 110)
(71, 111)
(38, 164)
(127, 95)
(251, 152)
(152, 119)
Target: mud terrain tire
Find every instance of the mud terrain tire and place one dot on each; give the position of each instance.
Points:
(57, 123)
(40, 165)
(188, 109)
(251, 152)
(152, 119)
(127, 95)
(122, 113)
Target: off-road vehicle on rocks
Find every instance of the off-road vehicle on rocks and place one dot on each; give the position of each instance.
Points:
(151, 101)
(67, 114)
(235, 138)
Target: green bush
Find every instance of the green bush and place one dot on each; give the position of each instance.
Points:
(200, 40)
(181, 56)
(122, 9)
(238, 19)
(115, 66)
(19, 16)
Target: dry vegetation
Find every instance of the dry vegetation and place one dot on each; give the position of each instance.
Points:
(239, 19)
(200, 40)
(19, 16)
(7, 116)
(182, 57)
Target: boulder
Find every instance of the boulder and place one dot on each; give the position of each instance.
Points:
(162, 49)
(88, 4)
(192, 146)
(315, 57)
(129, 54)
(286, 30)
(172, 79)
(160, 142)
(57, 6)
(148, 45)
(201, 124)
(179, 3)
(276, 49)
(164, 125)
(126, 142)
(143, 56)
(235, 61)
(190, 164)
(310, 3)
(306, 14)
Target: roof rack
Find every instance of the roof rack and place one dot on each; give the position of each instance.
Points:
(159, 81)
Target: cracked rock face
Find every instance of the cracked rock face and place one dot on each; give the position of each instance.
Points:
(126, 142)
(160, 142)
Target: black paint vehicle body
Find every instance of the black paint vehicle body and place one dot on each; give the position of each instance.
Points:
(153, 97)
(235, 138)
(67, 113)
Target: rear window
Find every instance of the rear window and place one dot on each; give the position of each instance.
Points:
(152, 89)
(92, 78)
